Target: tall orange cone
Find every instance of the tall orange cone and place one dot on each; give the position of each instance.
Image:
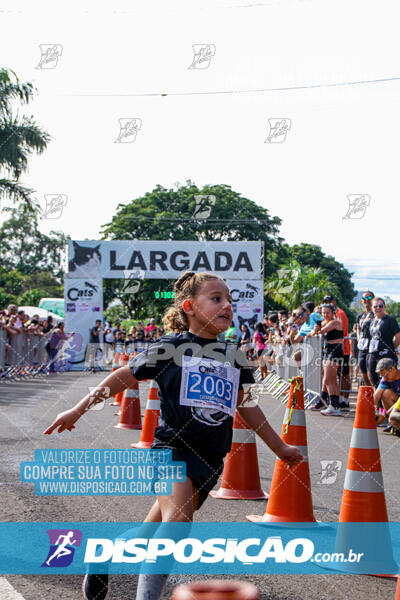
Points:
(241, 478)
(398, 588)
(122, 363)
(130, 409)
(290, 497)
(216, 589)
(150, 420)
(363, 495)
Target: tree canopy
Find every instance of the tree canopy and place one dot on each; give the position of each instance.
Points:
(311, 255)
(19, 138)
(24, 248)
(214, 212)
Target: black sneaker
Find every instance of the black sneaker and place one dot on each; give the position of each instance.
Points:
(344, 406)
(388, 429)
(395, 431)
(94, 587)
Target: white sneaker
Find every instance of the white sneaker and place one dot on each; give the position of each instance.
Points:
(331, 412)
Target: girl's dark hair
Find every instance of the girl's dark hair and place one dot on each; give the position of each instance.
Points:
(309, 306)
(273, 317)
(260, 328)
(187, 286)
(330, 306)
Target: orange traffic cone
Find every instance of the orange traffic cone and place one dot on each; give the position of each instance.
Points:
(241, 478)
(150, 420)
(363, 495)
(290, 497)
(118, 398)
(130, 409)
(216, 589)
(398, 588)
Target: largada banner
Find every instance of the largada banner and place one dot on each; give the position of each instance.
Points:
(247, 302)
(121, 259)
(83, 306)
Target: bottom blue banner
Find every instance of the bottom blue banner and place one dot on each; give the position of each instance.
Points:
(209, 548)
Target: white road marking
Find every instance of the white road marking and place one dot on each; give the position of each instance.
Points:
(7, 591)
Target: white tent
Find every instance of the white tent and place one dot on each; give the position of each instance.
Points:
(43, 314)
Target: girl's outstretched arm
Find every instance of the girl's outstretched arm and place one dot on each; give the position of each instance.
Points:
(255, 418)
(111, 385)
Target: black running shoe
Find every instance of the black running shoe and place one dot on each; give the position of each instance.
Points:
(388, 429)
(396, 431)
(94, 587)
(344, 405)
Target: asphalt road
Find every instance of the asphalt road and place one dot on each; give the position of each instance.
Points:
(28, 407)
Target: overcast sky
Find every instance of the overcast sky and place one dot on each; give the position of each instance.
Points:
(116, 59)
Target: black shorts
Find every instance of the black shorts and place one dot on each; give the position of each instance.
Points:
(362, 361)
(344, 365)
(333, 352)
(204, 470)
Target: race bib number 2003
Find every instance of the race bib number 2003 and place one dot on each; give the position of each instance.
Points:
(208, 383)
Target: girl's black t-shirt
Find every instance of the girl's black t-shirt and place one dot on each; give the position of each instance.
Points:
(180, 426)
(382, 332)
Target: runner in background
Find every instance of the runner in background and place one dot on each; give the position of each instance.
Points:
(344, 367)
(363, 334)
(331, 328)
(259, 339)
(385, 337)
(199, 436)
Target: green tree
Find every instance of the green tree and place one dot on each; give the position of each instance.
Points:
(11, 281)
(293, 284)
(24, 248)
(176, 214)
(392, 307)
(310, 255)
(31, 297)
(6, 299)
(19, 138)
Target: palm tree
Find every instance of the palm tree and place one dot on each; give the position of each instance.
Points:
(19, 138)
(294, 284)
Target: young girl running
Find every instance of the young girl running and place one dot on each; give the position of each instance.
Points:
(200, 436)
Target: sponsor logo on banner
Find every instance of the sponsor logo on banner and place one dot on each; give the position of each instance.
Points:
(71, 307)
(83, 306)
(62, 547)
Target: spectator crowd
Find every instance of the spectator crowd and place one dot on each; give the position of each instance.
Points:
(369, 352)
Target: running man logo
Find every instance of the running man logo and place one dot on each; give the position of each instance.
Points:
(50, 53)
(358, 204)
(330, 470)
(278, 129)
(128, 129)
(203, 54)
(55, 204)
(203, 207)
(62, 547)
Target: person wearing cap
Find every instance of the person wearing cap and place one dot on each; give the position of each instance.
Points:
(344, 368)
(388, 391)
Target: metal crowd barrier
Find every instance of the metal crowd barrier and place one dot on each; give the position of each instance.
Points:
(285, 368)
(22, 355)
